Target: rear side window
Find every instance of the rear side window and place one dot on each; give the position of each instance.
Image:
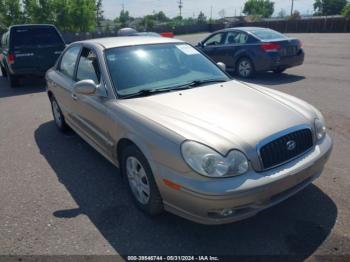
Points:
(267, 34)
(88, 67)
(35, 37)
(69, 60)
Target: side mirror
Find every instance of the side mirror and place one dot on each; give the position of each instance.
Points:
(85, 87)
(221, 65)
(199, 44)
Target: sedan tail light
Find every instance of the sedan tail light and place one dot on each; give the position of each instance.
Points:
(270, 47)
(11, 58)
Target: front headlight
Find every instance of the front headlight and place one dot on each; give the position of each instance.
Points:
(320, 129)
(208, 162)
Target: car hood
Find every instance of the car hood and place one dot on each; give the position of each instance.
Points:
(224, 116)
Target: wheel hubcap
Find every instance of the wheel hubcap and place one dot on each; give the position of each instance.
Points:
(244, 68)
(138, 180)
(57, 113)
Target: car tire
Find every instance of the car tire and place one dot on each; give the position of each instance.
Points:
(3, 72)
(14, 80)
(142, 186)
(279, 70)
(245, 67)
(58, 116)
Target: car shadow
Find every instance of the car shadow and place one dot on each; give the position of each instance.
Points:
(269, 78)
(296, 227)
(28, 85)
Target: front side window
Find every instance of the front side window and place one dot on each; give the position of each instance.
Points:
(151, 67)
(88, 67)
(214, 40)
(69, 60)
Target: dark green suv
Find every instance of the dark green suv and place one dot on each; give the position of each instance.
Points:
(29, 50)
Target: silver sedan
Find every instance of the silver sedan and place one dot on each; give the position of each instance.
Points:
(187, 138)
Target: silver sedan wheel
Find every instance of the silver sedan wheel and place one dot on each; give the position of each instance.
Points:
(57, 113)
(138, 180)
(245, 68)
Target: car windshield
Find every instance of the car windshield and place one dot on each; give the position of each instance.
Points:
(161, 66)
(267, 34)
(36, 37)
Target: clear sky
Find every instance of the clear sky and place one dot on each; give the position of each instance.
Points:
(193, 7)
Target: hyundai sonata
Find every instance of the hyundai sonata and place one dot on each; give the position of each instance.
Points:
(187, 138)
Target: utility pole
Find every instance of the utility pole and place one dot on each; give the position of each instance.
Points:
(180, 7)
(291, 9)
(211, 13)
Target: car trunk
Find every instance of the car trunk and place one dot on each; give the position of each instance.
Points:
(288, 47)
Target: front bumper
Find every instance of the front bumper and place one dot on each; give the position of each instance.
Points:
(246, 195)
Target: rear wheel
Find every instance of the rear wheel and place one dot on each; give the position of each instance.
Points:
(141, 182)
(3, 72)
(58, 116)
(244, 67)
(14, 80)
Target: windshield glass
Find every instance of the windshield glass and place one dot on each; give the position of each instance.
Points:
(267, 34)
(36, 37)
(151, 67)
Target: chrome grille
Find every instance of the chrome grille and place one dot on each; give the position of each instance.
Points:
(285, 148)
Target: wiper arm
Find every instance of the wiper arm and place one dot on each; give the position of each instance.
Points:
(201, 82)
(148, 92)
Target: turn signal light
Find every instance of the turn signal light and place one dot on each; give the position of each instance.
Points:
(171, 184)
(11, 58)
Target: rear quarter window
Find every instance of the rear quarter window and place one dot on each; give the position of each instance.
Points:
(35, 37)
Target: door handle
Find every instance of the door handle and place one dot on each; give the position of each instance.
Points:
(74, 96)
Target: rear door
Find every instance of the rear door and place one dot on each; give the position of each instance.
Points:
(36, 47)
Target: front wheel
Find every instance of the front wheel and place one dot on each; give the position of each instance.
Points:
(244, 67)
(141, 182)
(58, 116)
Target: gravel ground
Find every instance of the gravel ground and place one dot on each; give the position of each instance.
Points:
(60, 197)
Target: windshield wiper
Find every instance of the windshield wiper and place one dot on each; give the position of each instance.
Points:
(148, 92)
(196, 83)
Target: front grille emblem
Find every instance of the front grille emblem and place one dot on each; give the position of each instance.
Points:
(291, 144)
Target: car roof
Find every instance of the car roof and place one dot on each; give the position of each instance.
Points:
(112, 42)
(245, 28)
(31, 25)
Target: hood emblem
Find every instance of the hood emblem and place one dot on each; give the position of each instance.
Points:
(291, 144)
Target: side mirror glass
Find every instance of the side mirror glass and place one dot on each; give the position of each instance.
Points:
(221, 65)
(85, 87)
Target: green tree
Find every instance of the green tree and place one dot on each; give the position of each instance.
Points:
(124, 18)
(62, 13)
(346, 10)
(11, 12)
(99, 13)
(83, 15)
(39, 11)
(201, 18)
(329, 7)
(296, 15)
(264, 8)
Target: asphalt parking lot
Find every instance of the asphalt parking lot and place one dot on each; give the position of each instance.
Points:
(58, 196)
